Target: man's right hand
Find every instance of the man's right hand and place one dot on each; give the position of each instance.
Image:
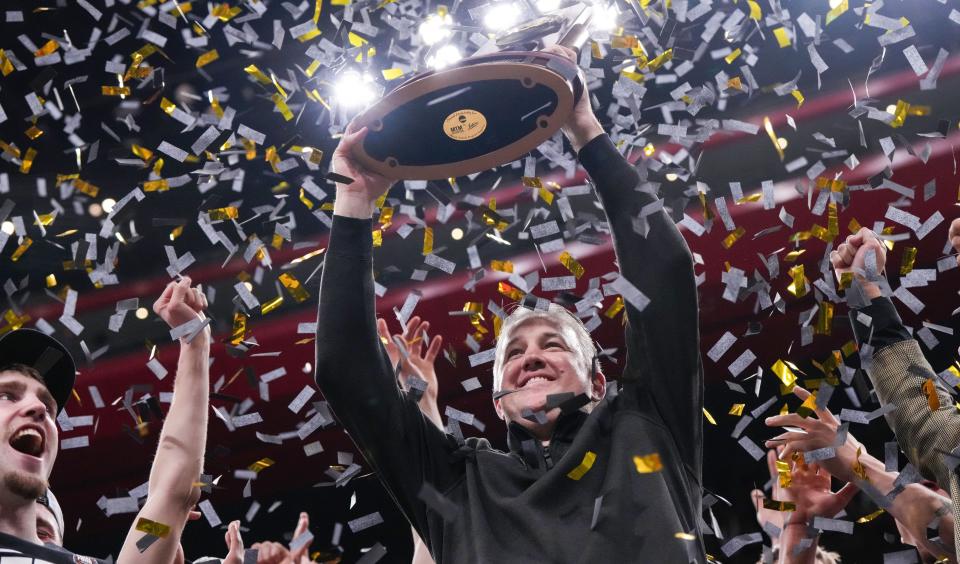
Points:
(851, 256)
(357, 198)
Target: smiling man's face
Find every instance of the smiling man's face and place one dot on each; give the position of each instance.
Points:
(28, 435)
(539, 362)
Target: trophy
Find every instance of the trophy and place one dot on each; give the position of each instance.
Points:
(483, 112)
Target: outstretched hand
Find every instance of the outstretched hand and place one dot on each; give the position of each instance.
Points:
(851, 256)
(814, 434)
(180, 303)
(270, 552)
(415, 359)
(357, 198)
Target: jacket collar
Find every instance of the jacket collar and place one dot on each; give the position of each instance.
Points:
(522, 443)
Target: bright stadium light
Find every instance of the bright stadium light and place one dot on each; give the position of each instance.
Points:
(444, 57)
(354, 90)
(547, 5)
(604, 17)
(436, 28)
(501, 16)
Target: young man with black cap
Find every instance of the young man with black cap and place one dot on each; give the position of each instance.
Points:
(36, 378)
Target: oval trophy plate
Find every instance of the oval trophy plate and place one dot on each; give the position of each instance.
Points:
(482, 113)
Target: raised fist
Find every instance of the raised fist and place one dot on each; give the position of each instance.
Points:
(851, 256)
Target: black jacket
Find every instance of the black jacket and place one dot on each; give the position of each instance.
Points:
(521, 506)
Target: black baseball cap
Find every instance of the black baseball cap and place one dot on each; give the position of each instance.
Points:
(46, 355)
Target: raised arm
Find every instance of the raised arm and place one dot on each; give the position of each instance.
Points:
(352, 368)
(183, 438)
(662, 340)
(898, 369)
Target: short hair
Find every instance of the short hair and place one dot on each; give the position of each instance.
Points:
(571, 329)
(28, 371)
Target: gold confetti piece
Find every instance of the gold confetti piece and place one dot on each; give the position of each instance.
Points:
(115, 90)
(427, 241)
(256, 73)
(930, 390)
(391, 74)
(27, 241)
(306, 201)
(798, 287)
(224, 12)
(532, 182)
(779, 505)
(51, 280)
(808, 406)
(33, 132)
(27, 162)
(281, 105)
(824, 319)
(709, 417)
(502, 266)
(316, 155)
(585, 465)
(6, 65)
(271, 305)
(571, 264)
(386, 216)
(377, 238)
(658, 61)
(684, 536)
(783, 37)
(649, 150)
(733, 55)
(45, 219)
(509, 291)
(294, 287)
(755, 12)
(858, 468)
(161, 185)
(648, 463)
(222, 214)
(546, 195)
(835, 185)
(142, 152)
(168, 107)
(152, 527)
(86, 188)
(737, 409)
(836, 11)
(492, 219)
(799, 97)
(733, 237)
(615, 308)
(906, 263)
(785, 477)
(768, 126)
(792, 256)
(207, 58)
(783, 371)
(48, 48)
(735, 83)
(869, 517)
(625, 42)
(239, 328)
